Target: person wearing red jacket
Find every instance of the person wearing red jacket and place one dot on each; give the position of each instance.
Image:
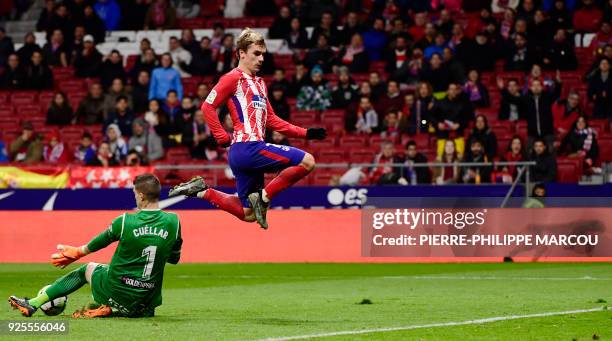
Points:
(55, 151)
(249, 156)
(565, 112)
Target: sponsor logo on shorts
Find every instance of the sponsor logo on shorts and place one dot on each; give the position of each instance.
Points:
(137, 284)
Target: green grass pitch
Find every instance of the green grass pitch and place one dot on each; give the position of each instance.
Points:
(258, 301)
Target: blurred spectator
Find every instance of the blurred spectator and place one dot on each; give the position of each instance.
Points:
(201, 93)
(181, 58)
(188, 41)
(390, 126)
(375, 40)
(118, 146)
(447, 174)
(165, 78)
(449, 118)
(122, 117)
(145, 141)
(602, 38)
(104, 157)
(480, 53)
(61, 20)
(391, 100)
(109, 12)
(526, 10)
(59, 112)
(314, 96)
(565, 113)
(226, 58)
(187, 9)
(299, 80)
(76, 45)
(366, 120)
(476, 174)
(445, 22)
(354, 55)
(436, 74)
(140, 92)
(157, 118)
(55, 151)
(161, 15)
(76, 9)
(365, 90)
(437, 47)
(134, 159)
(600, 90)
(321, 55)
(485, 135)
(13, 76)
(55, 52)
(297, 37)
(45, 15)
(545, 169)
(476, 91)
(116, 90)
(559, 15)
(91, 108)
(88, 60)
(202, 62)
(38, 74)
(27, 147)
(423, 104)
(581, 141)
(511, 106)
(94, 25)
(112, 68)
(455, 68)
(499, 6)
(587, 17)
(281, 25)
(133, 13)
(346, 91)
(259, 8)
(538, 107)
(29, 47)
(325, 28)
(397, 60)
(560, 55)
(519, 57)
(277, 138)
(414, 175)
(279, 80)
(415, 66)
(428, 36)
(279, 103)
(147, 62)
(172, 105)
(197, 137)
(514, 153)
(4, 156)
(217, 36)
(185, 115)
(85, 152)
(383, 173)
(351, 26)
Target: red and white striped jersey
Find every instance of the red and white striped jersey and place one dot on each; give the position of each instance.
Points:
(246, 97)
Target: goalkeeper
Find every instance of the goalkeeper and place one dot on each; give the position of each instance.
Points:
(131, 284)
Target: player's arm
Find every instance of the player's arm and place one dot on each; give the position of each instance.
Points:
(217, 96)
(175, 253)
(68, 254)
(278, 124)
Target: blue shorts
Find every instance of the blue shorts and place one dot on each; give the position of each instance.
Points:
(250, 160)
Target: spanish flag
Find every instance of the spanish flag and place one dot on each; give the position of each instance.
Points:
(15, 177)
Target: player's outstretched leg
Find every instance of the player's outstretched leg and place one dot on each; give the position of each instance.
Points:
(285, 179)
(196, 187)
(63, 286)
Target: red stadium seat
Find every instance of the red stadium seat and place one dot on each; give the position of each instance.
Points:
(298, 143)
(71, 86)
(45, 98)
(503, 141)
(599, 125)
(501, 128)
(6, 110)
(332, 155)
(421, 140)
(569, 170)
(4, 97)
(265, 21)
(301, 118)
(521, 129)
(329, 142)
(24, 97)
(353, 141)
(178, 154)
(29, 111)
(605, 147)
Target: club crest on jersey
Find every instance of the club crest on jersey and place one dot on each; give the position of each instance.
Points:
(259, 102)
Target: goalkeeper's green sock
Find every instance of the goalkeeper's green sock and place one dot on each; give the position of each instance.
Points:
(63, 286)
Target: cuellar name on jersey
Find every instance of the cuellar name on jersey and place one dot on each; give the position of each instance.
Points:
(150, 231)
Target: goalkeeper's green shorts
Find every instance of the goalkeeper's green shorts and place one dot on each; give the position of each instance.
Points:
(102, 294)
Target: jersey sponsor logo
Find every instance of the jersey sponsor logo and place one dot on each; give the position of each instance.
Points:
(137, 284)
(150, 231)
(259, 102)
(211, 97)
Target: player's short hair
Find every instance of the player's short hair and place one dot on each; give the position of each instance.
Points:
(149, 185)
(249, 37)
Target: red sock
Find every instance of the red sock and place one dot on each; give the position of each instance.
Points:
(285, 179)
(228, 203)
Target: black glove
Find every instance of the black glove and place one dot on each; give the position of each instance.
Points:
(316, 134)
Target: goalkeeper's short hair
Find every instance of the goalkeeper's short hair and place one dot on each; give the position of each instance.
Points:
(149, 185)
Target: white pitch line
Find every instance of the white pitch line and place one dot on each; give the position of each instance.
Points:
(511, 278)
(435, 325)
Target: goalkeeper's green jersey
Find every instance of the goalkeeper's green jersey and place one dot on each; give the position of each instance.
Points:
(147, 240)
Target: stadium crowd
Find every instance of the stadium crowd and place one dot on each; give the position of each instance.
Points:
(395, 82)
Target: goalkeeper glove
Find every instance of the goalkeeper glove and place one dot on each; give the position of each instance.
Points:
(316, 134)
(67, 255)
